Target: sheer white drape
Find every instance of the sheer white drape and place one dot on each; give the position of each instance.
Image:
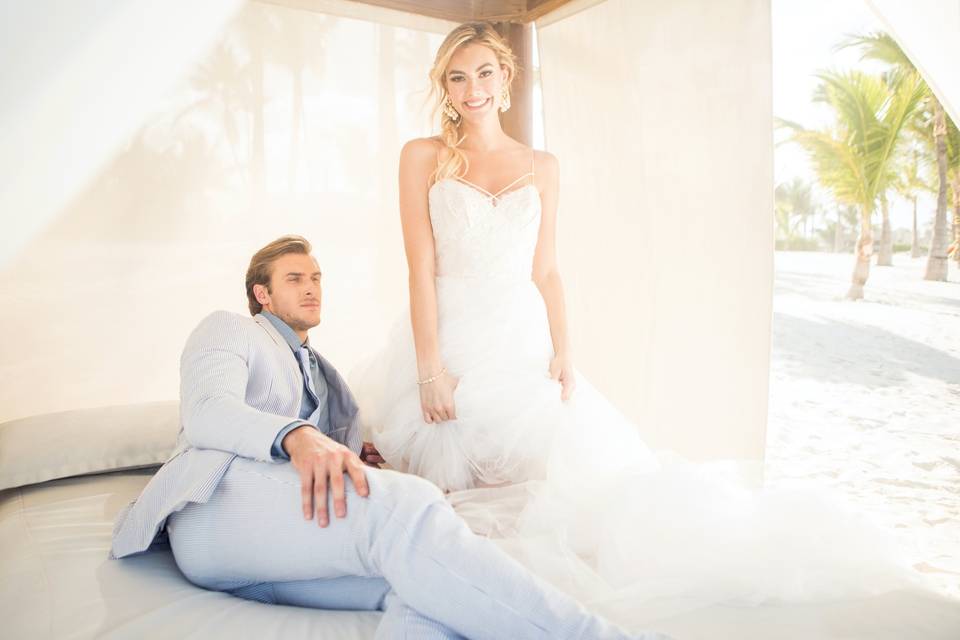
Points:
(660, 115)
(929, 32)
(291, 122)
(77, 79)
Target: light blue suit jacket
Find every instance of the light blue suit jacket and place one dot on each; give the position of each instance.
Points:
(239, 387)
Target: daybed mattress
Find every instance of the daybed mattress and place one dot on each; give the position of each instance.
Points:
(56, 581)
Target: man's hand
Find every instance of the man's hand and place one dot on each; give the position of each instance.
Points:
(370, 456)
(321, 463)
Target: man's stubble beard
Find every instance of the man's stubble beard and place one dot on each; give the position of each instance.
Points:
(295, 324)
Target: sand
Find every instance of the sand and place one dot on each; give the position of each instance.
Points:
(865, 397)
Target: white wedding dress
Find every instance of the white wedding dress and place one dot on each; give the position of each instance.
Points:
(582, 501)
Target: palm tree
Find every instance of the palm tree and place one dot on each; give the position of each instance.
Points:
(221, 88)
(794, 207)
(254, 21)
(256, 32)
(908, 183)
(847, 218)
(882, 47)
(953, 174)
(854, 159)
(300, 49)
(839, 228)
(885, 255)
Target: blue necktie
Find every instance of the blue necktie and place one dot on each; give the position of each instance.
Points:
(307, 366)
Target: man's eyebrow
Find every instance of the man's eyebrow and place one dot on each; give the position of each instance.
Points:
(300, 273)
(485, 64)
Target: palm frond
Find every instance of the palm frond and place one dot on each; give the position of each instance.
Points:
(879, 46)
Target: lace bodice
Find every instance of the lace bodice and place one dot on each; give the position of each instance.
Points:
(480, 235)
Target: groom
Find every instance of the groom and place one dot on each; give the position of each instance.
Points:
(269, 439)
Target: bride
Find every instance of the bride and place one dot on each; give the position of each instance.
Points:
(477, 392)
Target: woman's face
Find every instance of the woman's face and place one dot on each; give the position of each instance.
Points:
(474, 81)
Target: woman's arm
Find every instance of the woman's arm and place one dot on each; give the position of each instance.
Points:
(417, 161)
(546, 275)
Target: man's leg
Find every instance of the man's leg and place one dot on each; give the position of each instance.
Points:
(400, 622)
(352, 593)
(252, 530)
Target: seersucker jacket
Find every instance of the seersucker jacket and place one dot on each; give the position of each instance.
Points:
(239, 387)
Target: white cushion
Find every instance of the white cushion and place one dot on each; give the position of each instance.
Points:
(84, 441)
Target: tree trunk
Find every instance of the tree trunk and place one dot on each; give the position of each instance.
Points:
(297, 117)
(955, 247)
(885, 256)
(937, 258)
(863, 251)
(258, 134)
(914, 240)
(231, 127)
(836, 232)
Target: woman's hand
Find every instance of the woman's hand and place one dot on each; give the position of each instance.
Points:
(436, 399)
(370, 456)
(561, 369)
(321, 463)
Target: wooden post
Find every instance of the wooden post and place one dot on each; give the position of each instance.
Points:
(518, 121)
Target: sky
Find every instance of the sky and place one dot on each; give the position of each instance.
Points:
(804, 34)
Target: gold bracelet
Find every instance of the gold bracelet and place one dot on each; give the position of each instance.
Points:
(429, 380)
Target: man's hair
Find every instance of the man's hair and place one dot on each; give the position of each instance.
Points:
(261, 265)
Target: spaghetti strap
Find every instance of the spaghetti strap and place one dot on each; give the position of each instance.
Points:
(507, 189)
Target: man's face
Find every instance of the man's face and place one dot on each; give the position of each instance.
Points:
(294, 294)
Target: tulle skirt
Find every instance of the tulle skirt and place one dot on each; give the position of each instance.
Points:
(571, 491)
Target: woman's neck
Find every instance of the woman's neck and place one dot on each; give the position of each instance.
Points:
(483, 136)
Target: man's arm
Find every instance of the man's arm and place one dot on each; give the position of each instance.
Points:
(277, 450)
(213, 384)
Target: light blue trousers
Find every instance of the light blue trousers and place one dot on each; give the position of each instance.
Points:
(402, 549)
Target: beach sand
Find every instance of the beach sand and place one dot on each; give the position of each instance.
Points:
(865, 397)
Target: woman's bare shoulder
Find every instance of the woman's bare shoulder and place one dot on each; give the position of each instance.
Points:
(421, 147)
(545, 160)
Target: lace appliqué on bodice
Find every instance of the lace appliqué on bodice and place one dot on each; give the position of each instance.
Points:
(478, 235)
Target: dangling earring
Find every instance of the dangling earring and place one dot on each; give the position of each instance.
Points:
(504, 99)
(449, 111)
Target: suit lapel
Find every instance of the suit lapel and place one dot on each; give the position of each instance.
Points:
(340, 401)
(343, 406)
(287, 357)
(271, 331)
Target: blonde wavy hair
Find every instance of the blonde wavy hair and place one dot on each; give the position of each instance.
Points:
(482, 33)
